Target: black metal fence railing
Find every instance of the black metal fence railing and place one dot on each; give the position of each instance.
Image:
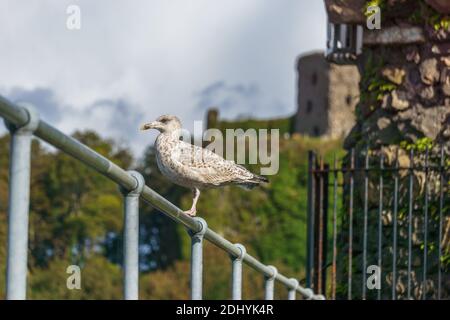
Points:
(379, 224)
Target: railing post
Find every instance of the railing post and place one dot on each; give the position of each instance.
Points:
(269, 284)
(19, 203)
(292, 291)
(131, 238)
(197, 260)
(308, 294)
(236, 282)
(310, 245)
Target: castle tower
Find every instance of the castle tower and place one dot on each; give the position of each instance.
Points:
(326, 97)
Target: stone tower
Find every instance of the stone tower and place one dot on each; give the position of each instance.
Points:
(326, 97)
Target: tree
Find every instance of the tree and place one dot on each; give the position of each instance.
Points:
(76, 218)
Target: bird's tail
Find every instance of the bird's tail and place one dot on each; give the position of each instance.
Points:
(260, 179)
(253, 182)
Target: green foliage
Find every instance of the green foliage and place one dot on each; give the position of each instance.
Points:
(372, 79)
(100, 279)
(370, 3)
(420, 145)
(76, 218)
(439, 22)
(425, 14)
(445, 260)
(73, 211)
(285, 125)
(381, 87)
(374, 86)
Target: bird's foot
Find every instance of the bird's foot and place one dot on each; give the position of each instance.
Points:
(191, 212)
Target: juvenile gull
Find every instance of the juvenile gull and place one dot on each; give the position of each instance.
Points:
(194, 167)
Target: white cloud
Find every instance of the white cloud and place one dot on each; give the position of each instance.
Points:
(238, 101)
(157, 56)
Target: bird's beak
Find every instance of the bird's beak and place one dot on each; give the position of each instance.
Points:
(151, 125)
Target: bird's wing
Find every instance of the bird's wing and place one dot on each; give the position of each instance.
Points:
(208, 167)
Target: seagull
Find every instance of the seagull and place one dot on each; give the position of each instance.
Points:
(194, 167)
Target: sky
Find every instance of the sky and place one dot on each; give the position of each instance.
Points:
(132, 61)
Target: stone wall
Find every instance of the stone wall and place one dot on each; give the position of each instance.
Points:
(404, 104)
(343, 96)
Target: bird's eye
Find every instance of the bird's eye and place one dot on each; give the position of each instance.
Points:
(163, 120)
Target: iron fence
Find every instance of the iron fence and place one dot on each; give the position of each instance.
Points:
(380, 217)
(23, 122)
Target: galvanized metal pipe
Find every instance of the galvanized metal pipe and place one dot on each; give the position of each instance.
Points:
(131, 238)
(197, 260)
(308, 294)
(236, 273)
(13, 114)
(292, 291)
(160, 203)
(71, 146)
(269, 284)
(19, 203)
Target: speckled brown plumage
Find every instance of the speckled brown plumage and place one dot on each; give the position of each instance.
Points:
(194, 167)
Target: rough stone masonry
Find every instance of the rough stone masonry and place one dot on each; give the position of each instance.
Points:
(404, 104)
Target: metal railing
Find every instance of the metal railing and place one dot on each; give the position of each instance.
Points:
(23, 122)
(390, 212)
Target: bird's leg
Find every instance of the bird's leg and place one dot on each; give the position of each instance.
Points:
(192, 212)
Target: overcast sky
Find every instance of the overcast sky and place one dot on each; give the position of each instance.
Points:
(132, 61)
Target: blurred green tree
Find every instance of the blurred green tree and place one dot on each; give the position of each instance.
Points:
(76, 218)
